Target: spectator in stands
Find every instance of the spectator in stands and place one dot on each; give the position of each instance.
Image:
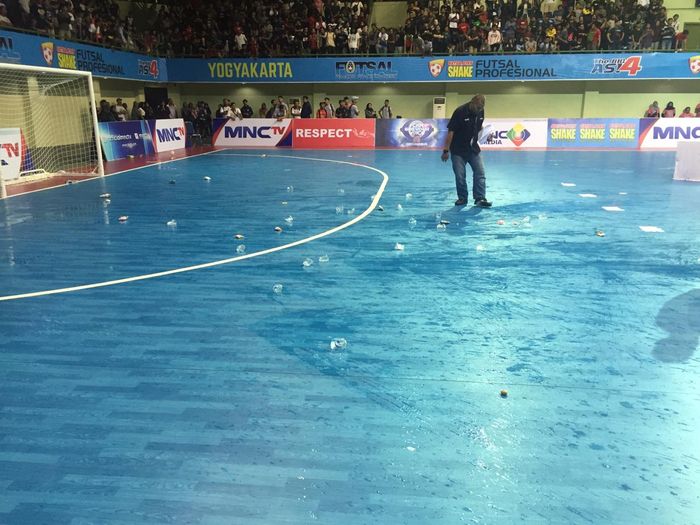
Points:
(687, 113)
(104, 113)
(120, 111)
(234, 112)
(306, 109)
(322, 111)
(652, 111)
(262, 112)
(369, 111)
(246, 110)
(141, 111)
(354, 110)
(295, 110)
(281, 109)
(697, 110)
(669, 111)
(4, 19)
(668, 35)
(172, 109)
(329, 107)
(494, 39)
(271, 109)
(682, 40)
(385, 110)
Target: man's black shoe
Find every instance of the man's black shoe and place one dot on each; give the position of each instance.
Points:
(482, 203)
(461, 202)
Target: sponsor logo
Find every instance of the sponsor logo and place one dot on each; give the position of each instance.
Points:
(417, 131)
(253, 132)
(435, 67)
(170, 134)
(508, 68)
(250, 70)
(148, 68)
(517, 135)
(694, 64)
(11, 149)
(676, 132)
(66, 57)
(365, 70)
(47, 52)
(608, 66)
(7, 50)
(328, 133)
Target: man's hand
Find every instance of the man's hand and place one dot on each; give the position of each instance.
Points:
(445, 156)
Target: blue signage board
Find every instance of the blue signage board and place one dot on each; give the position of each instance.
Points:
(428, 69)
(121, 140)
(618, 133)
(33, 50)
(411, 133)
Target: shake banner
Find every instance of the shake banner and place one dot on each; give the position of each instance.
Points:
(33, 50)
(333, 133)
(122, 140)
(252, 133)
(14, 154)
(664, 133)
(622, 133)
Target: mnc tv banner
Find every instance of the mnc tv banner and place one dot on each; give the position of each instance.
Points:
(252, 133)
(168, 134)
(664, 133)
(122, 140)
(14, 154)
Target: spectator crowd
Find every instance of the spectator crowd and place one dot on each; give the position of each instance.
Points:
(260, 28)
(654, 111)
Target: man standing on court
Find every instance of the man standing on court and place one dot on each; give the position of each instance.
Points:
(463, 144)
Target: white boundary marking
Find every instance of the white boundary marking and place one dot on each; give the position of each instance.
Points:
(358, 218)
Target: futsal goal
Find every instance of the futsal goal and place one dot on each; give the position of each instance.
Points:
(48, 125)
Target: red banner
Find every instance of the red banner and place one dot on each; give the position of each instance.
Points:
(333, 133)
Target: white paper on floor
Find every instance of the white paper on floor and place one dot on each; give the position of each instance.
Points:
(568, 184)
(588, 195)
(651, 229)
(612, 208)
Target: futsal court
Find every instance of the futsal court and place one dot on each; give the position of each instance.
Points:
(384, 358)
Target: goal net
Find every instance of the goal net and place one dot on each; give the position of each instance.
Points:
(47, 124)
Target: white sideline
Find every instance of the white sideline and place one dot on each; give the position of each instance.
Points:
(358, 218)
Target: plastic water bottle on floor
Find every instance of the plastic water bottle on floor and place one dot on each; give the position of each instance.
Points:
(409, 196)
(399, 207)
(341, 191)
(339, 343)
(412, 222)
(240, 249)
(277, 288)
(441, 227)
(289, 220)
(307, 262)
(339, 210)
(290, 189)
(324, 259)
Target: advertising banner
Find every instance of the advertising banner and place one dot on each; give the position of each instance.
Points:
(333, 133)
(121, 140)
(168, 134)
(34, 50)
(664, 133)
(618, 66)
(14, 155)
(513, 134)
(252, 132)
(411, 133)
(620, 133)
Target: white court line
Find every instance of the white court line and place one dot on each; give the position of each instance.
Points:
(372, 206)
(97, 178)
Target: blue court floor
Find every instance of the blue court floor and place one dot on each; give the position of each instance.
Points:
(207, 397)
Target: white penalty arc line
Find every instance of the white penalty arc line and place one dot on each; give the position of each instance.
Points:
(212, 264)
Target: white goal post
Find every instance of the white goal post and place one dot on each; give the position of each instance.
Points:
(48, 124)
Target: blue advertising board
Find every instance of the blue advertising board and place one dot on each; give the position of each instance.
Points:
(411, 133)
(619, 133)
(448, 69)
(121, 140)
(34, 50)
